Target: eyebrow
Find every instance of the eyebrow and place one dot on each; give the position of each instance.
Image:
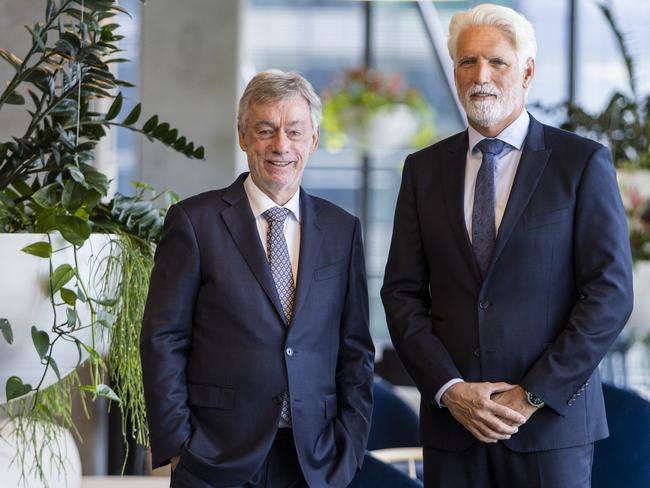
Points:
(272, 124)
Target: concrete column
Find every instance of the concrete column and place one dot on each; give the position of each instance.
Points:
(189, 77)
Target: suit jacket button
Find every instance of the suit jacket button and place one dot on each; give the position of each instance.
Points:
(289, 351)
(477, 352)
(484, 304)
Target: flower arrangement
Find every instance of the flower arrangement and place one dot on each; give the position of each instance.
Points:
(364, 102)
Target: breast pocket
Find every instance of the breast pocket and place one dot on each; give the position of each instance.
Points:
(546, 218)
(330, 271)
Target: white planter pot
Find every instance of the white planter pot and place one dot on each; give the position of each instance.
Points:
(25, 302)
(390, 128)
(69, 477)
(639, 321)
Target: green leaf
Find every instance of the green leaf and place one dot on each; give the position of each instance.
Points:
(93, 354)
(71, 314)
(106, 319)
(5, 329)
(41, 249)
(76, 174)
(41, 341)
(106, 392)
(199, 153)
(95, 179)
(150, 124)
(134, 115)
(116, 106)
(73, 196)
(161, 131)
(75, 230)
(81, 295)
(15, 99)
(15, 388)
(54, 367)
(48, 196)
(10, 58)
(68, 296)
(60, 276)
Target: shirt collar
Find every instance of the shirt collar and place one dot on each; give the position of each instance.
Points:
(260, 201)
(514, 135)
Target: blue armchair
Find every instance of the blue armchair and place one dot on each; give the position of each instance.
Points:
(376, 474)
(394, 423)
(623, 459)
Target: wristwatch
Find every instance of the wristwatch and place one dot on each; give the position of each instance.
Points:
(534, 400)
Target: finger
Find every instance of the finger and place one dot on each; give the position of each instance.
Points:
(507, 414)
(497, 426)
(501, 386)
(490, 434)
(479, 435)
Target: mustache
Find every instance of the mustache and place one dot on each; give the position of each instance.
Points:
(485, 89)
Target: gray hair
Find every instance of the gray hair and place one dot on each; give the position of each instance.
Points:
(515, 26)
(273, 85)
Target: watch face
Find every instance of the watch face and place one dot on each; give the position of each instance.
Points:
(534, 400)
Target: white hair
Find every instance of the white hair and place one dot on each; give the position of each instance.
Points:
(515, 26)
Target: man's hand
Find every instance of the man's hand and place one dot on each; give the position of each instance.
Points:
(487, 420)
(174, 462)
(516, 400)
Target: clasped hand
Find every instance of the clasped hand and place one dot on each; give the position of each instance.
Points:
(490, 411)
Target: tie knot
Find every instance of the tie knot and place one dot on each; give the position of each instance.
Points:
(276, 214)
(491, 146)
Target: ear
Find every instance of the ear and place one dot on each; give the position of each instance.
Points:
(314, 139)
(242, 139)
(529, 72)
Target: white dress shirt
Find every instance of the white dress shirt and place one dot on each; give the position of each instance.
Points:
(506, 168)
(260, 203)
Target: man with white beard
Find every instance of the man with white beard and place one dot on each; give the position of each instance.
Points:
(508, 278)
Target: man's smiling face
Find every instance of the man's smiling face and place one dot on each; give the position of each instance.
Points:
(278, 138)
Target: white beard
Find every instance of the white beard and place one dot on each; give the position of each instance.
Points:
(491, 111)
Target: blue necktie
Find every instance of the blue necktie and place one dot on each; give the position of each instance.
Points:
(483, 220)
(278, 254)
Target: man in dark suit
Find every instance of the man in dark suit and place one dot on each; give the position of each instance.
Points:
(508, 278)
(256, 354)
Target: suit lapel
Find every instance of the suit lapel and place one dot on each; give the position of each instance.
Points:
(311, 239)
(531, 166)
(240, 221)
(454, 190)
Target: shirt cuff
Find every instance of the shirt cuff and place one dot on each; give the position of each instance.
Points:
(444, 388)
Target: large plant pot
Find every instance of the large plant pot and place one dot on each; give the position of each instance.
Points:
(25, 302)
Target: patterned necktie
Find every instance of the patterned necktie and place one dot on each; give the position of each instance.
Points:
(278, 254)
(483, 214)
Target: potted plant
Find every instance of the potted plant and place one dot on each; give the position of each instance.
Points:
(93, 286)
(369, 110)
(623, 125)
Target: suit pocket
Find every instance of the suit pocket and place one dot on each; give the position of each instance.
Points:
(329, 271)
(207, 396)
(546, 218)
(331, 406)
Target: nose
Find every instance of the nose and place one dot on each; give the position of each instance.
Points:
(482, 73)
(280, 143)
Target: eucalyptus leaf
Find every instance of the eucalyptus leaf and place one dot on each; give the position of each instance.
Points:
(5, 329)
(41, 249)
(60, 276)
(71, 315)
(15, 388)
(41, 341)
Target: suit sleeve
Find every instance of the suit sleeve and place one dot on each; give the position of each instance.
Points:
(354, 370)
(166, 336)
(406, 298)
(603, 274)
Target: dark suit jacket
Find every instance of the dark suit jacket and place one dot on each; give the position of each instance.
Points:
(217, 354)
(556, 295)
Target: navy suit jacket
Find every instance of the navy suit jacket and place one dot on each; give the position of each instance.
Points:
(557, 293)
(217, 353)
